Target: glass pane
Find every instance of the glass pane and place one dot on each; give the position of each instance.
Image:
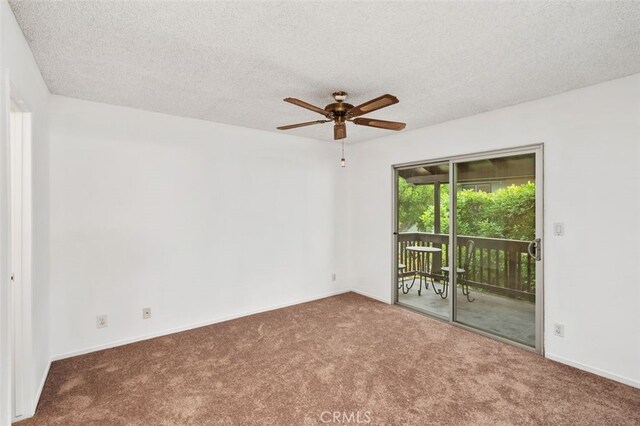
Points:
(495, 222)
(423, 225)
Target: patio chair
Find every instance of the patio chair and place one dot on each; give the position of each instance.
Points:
(401, 286)
(462, 273)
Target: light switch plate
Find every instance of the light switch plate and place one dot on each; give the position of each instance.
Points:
(558, 229)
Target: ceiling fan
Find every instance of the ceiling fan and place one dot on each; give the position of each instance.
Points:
(340, 112)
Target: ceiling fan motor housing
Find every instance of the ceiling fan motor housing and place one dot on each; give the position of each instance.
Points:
(339, 109)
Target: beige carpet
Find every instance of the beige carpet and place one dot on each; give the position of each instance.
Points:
(347, 356)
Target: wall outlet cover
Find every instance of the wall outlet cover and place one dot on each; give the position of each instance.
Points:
(101, 321)
(558, 329)
(146, 313)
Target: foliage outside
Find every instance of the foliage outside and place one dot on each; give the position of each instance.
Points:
(507, 213)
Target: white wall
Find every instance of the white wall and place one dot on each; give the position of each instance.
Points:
(18, 66)
(203, 221)
(592, 183)
(198, 220)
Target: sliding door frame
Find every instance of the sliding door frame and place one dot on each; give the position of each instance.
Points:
(538, 151)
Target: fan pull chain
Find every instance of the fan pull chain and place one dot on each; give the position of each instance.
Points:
(343, 162)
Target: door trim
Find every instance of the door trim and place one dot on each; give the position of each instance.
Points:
(20, 162)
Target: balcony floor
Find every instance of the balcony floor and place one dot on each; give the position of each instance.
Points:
(500, 315)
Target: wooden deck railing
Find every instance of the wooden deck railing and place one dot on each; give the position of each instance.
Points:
(500, 266)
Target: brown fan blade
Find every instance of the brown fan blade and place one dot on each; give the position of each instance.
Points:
(339, 131)
(308, 123)
(372, 105)
(308, 106)
(381, 124)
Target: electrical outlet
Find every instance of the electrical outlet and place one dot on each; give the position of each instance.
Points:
(558, 329)
(146, 313)
(101, 321)
(333, 277)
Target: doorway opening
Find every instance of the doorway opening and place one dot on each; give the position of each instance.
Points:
(20, 250)
(480, 216)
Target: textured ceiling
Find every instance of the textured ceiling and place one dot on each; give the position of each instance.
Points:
(234, 62)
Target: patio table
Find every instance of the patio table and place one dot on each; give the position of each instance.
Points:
(424, 256)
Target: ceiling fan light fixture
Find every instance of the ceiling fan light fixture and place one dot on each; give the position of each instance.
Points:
(340, 96)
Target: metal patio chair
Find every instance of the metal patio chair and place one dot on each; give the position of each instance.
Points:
(462, 273)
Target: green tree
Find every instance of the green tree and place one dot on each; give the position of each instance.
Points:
(507, 213)
(427, 217)
(514, 207)
(412, 201)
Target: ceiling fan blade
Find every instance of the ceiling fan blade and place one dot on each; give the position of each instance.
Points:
(308, 123)
(372, 105)
(381, 124)
(339, 131)
(308, 106)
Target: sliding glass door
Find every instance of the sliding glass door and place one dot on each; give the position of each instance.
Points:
(473, 224)
(422, 200)
(495, 229)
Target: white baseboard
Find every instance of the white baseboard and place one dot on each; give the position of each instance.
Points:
(192, 326)
(594, 370)
(371, 296)
(550, 356)
(557, 358)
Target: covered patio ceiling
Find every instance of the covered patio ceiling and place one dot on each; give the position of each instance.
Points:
(502, 168)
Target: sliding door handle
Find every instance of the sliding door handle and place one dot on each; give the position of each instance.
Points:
(535, 249)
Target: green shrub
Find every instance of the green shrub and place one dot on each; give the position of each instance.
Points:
(507, 213)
